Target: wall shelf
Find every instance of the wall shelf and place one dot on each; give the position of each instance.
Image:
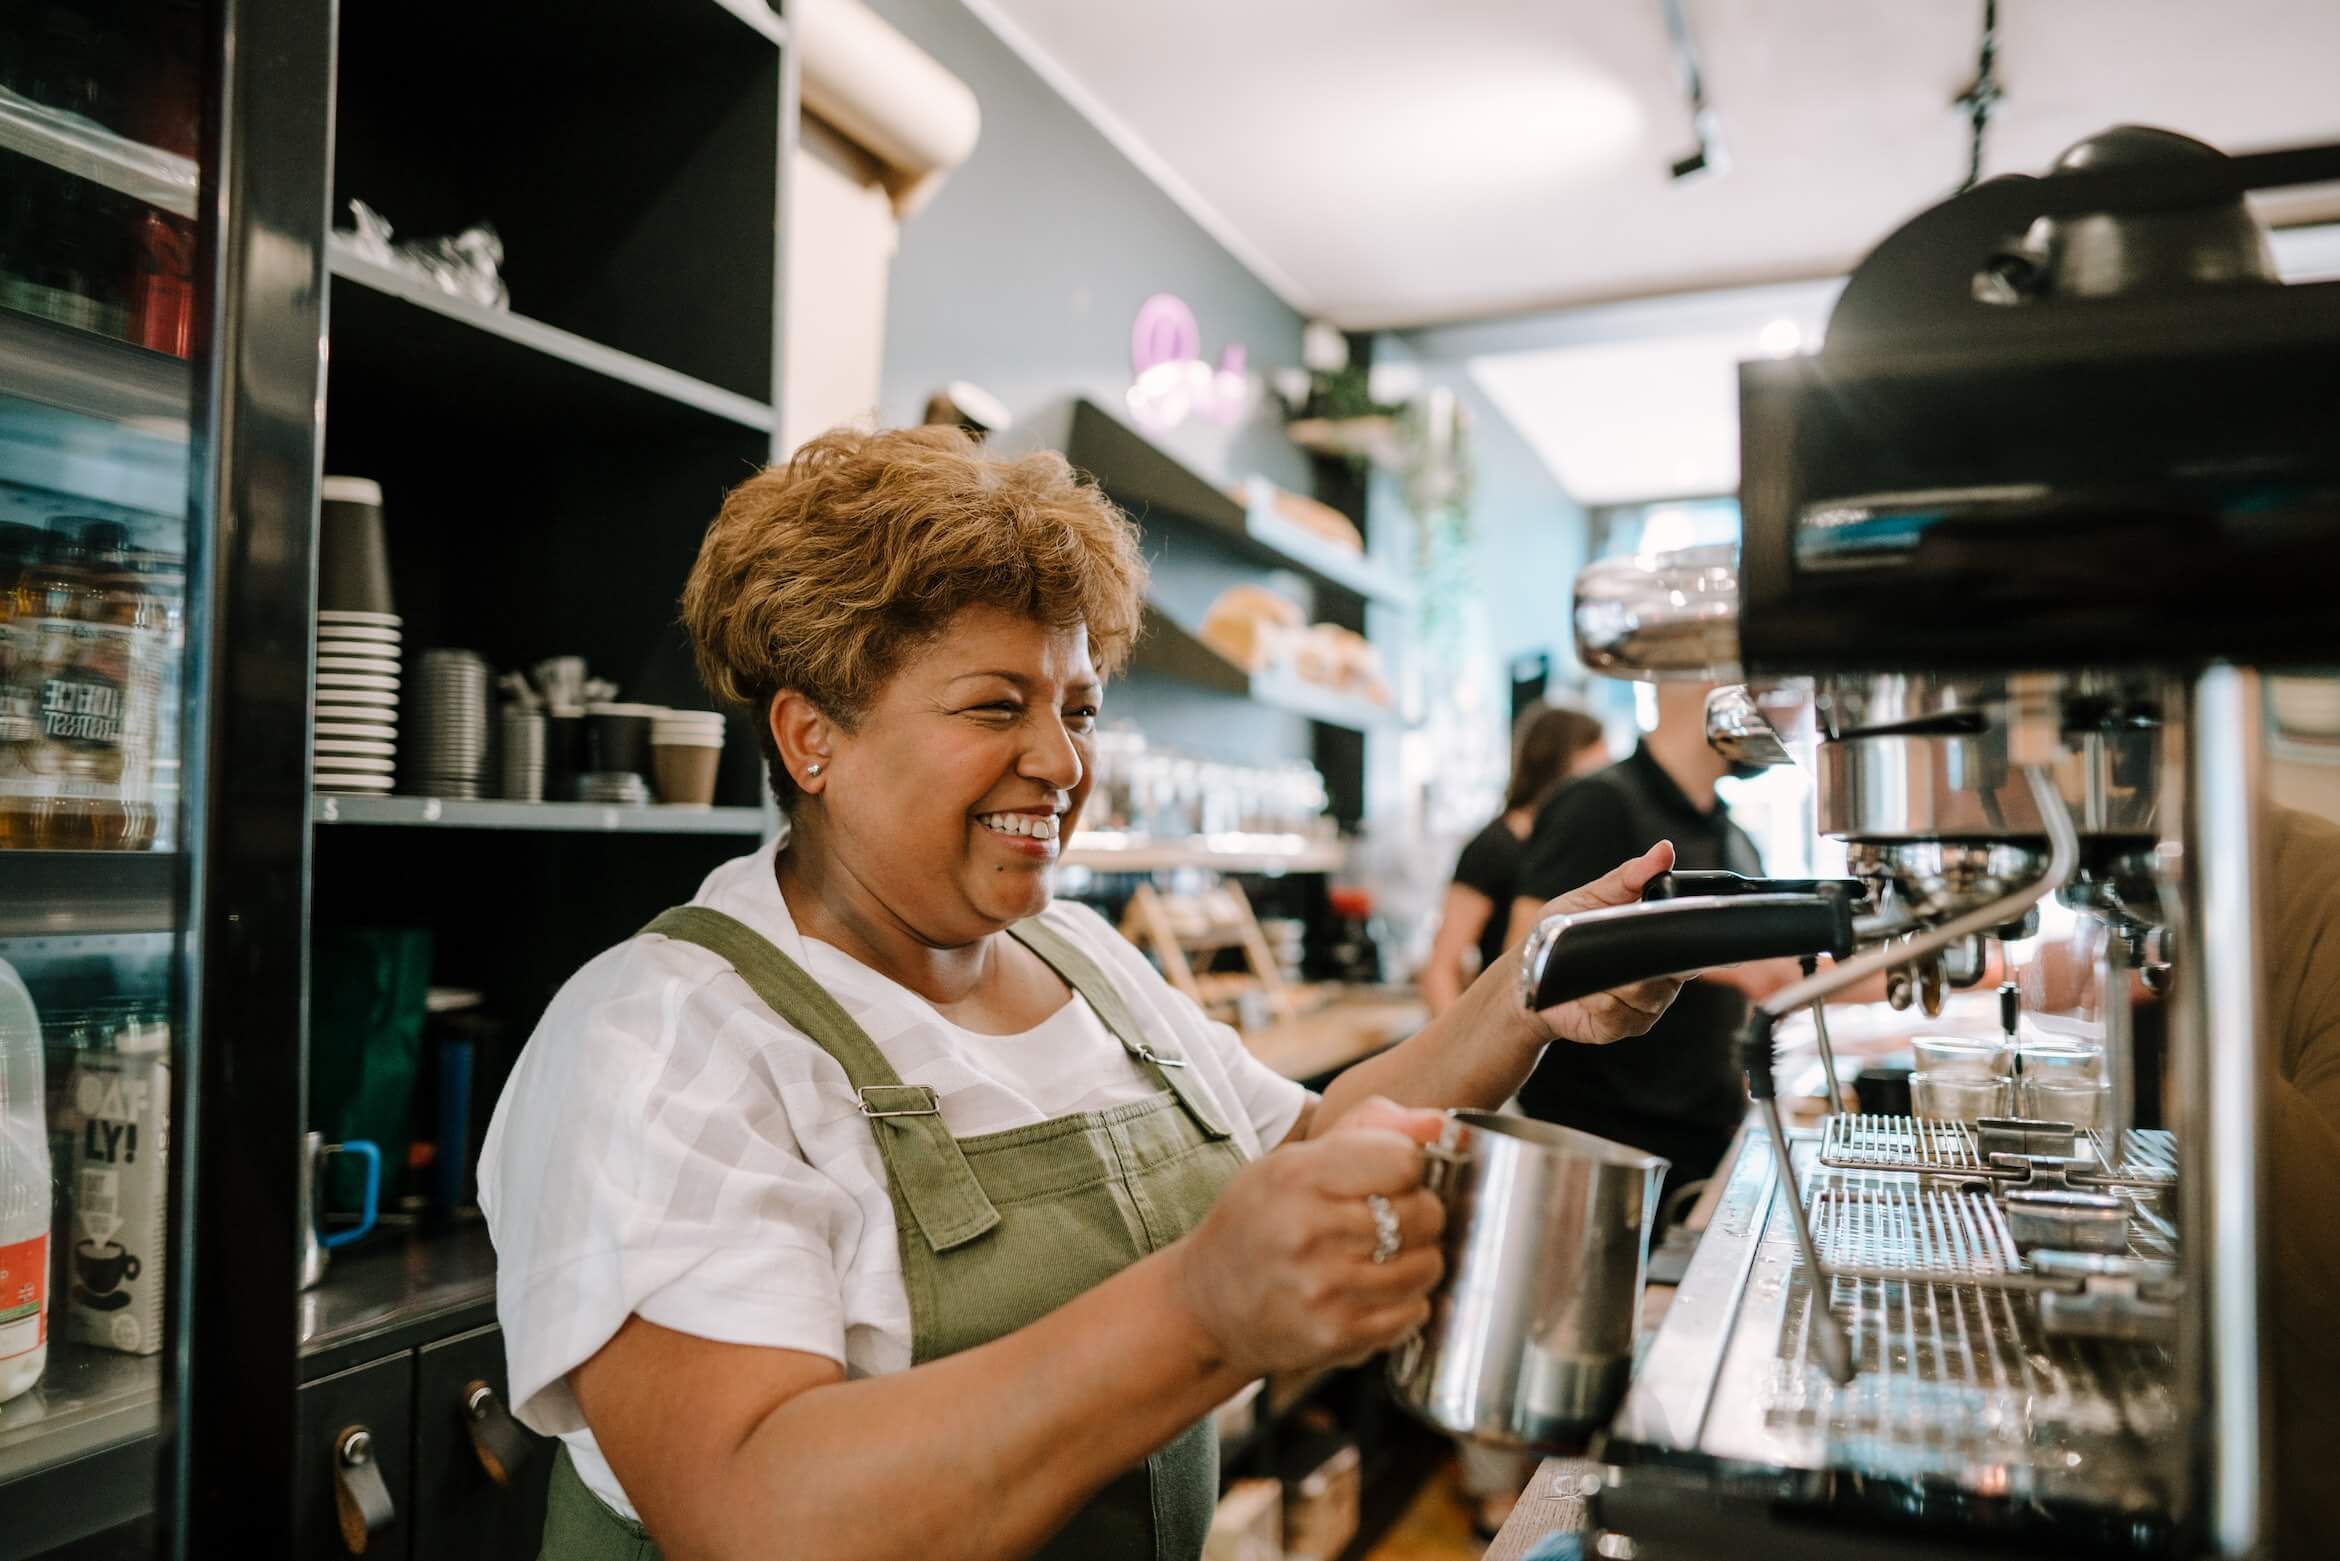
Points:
(1147, 481)
(388, 322)
(90, 151)
(571, 817)
(1107, 852)
(1166, 649)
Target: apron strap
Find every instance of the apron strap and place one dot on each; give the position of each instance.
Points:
(921, 1156)
(1081, 974)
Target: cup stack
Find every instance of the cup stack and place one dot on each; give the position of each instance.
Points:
(521, 755)
(448, 755)
(686, 746)
(354, 747)
(355, 744)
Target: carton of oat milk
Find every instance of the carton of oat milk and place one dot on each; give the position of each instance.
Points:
(122, 1098)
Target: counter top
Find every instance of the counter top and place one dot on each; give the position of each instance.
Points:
(1348, 1030)
(393, 1292)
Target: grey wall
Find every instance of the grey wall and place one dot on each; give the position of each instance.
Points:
(1025, 273)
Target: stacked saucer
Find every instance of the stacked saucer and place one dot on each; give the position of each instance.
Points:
(448, 756)
(355, 748)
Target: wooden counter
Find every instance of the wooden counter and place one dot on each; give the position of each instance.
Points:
(1347, 1030)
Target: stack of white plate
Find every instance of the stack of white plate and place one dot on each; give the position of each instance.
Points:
(522, 755)
(449, 751)
(618, 786)
(355, 748)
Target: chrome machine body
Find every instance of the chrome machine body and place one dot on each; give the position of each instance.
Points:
(2019, 537)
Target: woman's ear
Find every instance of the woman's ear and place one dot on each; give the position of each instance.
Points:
(804, 738)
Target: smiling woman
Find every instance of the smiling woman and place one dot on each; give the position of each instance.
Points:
(872, 1198)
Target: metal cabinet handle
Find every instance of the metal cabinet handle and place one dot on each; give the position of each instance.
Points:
(495, 1436)
(360, 1498)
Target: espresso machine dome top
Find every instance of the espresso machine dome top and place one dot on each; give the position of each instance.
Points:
(2067, 420)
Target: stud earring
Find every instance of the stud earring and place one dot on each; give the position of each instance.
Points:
(811, 770)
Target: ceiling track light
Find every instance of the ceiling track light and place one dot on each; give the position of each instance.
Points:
(1983, 97)
(1709, 156)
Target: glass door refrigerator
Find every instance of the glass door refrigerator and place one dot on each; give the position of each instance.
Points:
(162, 190)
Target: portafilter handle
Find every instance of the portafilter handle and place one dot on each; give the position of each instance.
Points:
(1578, 953)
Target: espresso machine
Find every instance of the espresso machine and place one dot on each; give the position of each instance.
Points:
(2019, 539)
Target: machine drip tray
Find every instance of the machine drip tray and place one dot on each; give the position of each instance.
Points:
(1965, 1416)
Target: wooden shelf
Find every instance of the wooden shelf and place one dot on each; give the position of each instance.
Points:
(1148, 481)
(434, 344)
(575, 817)
(90, 151)
(1331, 1038)
(1168, 650)
(1106, 852)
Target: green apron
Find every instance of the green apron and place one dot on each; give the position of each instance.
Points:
(997, 1231)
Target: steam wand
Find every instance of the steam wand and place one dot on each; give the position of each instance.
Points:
(1811, 965)
(1827, 1333)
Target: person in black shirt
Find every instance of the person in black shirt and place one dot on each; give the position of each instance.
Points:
(1676, 1091)
(1550, 745)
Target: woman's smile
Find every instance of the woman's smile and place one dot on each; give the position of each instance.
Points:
(1028, 832)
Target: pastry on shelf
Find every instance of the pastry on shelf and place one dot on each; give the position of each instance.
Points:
(1252, 626)
(1319, 520)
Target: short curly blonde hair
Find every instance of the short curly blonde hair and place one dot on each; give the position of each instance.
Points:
(824, 574)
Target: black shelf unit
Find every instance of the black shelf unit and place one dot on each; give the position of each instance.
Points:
(549, 471)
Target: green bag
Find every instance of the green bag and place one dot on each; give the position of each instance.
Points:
(369, 996)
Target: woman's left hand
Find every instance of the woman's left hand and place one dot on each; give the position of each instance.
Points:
(1627, 1010)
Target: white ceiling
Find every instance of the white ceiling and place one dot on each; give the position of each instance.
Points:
(1395, 162)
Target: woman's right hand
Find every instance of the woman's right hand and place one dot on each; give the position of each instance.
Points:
(1280, 1274)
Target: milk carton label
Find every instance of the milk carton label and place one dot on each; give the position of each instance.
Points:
(118, 1202)
(24, 1296)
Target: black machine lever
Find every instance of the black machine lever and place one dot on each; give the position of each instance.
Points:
(1574, 955)
(1683, 884)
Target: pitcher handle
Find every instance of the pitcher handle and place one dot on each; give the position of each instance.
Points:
(1440, 1160)
(370, 1199)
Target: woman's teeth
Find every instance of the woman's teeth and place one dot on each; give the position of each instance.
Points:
(1035, 826)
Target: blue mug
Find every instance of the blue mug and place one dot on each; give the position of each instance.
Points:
(369, 1200)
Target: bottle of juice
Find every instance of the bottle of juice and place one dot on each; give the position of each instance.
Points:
(25, 1204)
(122, 649)
(56, 590)
(90, 732)
(20, 548)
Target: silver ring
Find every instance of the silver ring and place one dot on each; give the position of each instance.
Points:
(1386, 1241)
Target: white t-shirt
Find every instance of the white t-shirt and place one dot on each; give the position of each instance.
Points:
(669, 1146)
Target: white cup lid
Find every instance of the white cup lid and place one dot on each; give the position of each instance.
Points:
(350, 490)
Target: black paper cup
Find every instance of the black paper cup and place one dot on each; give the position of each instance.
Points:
(353, 554)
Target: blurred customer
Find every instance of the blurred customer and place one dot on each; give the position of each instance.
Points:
(1677, 1091)
(1550, 745)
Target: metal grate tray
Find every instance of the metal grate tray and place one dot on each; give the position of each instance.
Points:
(1858, 1141)
(1956, 1376)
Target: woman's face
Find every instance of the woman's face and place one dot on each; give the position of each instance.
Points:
(952, 798)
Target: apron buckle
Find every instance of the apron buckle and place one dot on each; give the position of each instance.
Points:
(1148, 1054)
(885, 1093)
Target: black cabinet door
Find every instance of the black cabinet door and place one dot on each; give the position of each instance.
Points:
(479, 1477)
(353, 1490)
